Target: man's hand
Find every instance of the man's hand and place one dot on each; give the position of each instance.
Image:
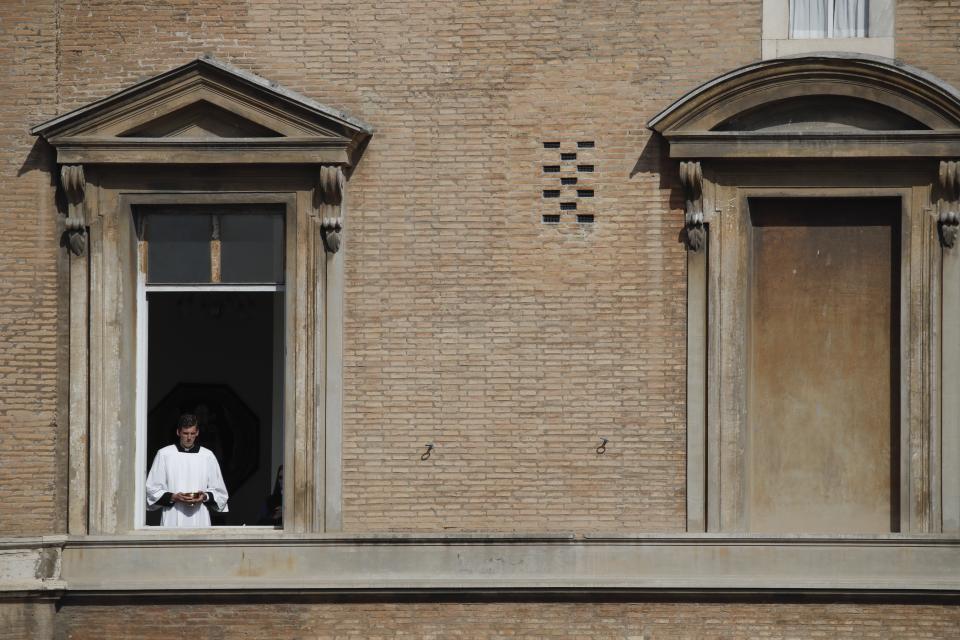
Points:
(188, 498)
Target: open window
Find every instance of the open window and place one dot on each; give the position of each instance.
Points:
(211, 336)
(204, 215)
(823, 293)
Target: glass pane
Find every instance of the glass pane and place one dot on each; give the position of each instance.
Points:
(809, 18)
(850, 19)
(251, 248)
(178, 248)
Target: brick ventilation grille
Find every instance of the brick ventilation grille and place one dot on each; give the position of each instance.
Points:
(568, 171)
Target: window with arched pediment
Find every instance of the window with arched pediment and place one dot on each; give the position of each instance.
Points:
(823, 297)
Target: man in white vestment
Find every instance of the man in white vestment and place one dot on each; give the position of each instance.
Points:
(185, 480)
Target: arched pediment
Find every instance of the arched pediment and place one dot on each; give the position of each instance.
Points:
(829, 105)
(821, 113)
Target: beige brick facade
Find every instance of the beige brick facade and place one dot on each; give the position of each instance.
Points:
(28, 274)
(653, 621)
(927, 37)
(511, 344)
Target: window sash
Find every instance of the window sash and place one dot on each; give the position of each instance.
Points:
(212, 245)
(829, 18)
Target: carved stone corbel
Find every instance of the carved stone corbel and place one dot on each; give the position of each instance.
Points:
(691, 177)
(948, 218)
(331, 228)
(330, 192)
(74, 185)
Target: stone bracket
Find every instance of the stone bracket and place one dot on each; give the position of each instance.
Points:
(330, 201)
(948, 207)
(691, 177)
(73, 183)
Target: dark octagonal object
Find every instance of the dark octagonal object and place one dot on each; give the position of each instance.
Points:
(227, 427)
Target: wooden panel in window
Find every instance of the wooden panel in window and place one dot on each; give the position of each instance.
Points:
(823, 365)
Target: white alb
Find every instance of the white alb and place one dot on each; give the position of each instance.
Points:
(176, 471)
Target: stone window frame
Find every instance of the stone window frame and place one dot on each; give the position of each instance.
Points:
(294, 441)
(727, 282)
(112, 157)
(720, 169)
(776, 41)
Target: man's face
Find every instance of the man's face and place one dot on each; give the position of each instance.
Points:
(188, 435)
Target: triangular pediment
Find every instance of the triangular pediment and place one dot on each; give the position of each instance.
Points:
(201, 119)
(206, 111)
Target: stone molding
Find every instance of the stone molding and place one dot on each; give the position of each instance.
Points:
(691, 177)
(719, 421)
(948, 214)
(330, 199)
(30, 565)
(227, 151)
(74, 184)
(399, 563)
(695, 125)
(277, 126)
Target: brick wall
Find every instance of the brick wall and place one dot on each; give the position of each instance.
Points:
(511, 345)
(927, 36)
(649, 621)
(28, 273)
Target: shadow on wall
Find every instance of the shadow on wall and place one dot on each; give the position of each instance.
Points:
(43, 157)
(655, 159)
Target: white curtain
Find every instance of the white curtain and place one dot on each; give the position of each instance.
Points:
(828, 18)
(850, 18)
(809, 18)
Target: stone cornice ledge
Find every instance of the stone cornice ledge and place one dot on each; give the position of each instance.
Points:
(174, 151)
(801, 144)
(30, 566)
(397, 563)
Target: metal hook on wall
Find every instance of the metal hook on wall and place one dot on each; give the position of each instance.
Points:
(603, 446)
(426, 454)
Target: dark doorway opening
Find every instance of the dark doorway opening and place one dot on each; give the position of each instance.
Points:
(219, 355)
